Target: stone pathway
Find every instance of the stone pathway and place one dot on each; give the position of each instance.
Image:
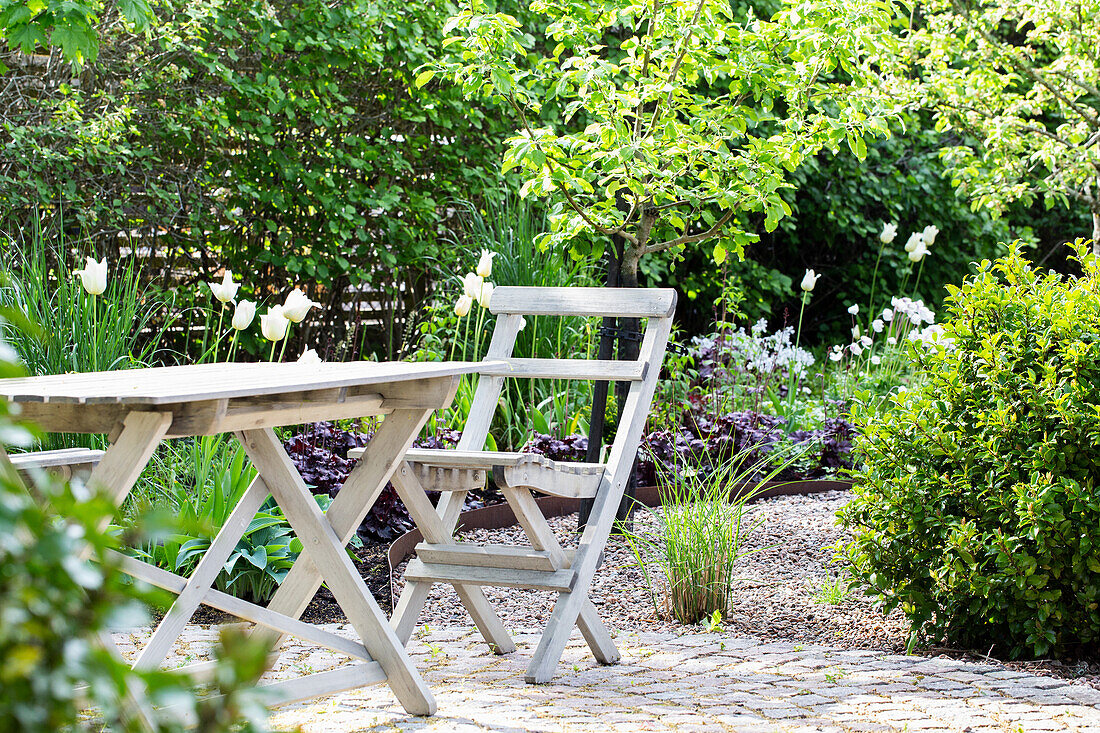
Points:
(691, 682)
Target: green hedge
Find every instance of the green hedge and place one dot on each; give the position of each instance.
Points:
(977, 508)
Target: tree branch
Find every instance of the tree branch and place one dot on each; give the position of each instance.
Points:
(691, 238)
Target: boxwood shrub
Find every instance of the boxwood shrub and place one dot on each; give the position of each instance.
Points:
(976, 506)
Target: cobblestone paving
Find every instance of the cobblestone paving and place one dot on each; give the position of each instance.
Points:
(689, 683)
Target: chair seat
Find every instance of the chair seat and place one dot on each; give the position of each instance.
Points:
(63, 462)
(518, 470)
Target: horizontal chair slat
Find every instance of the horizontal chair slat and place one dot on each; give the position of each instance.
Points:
(60, 457)
(557, 580)
(610, 302)
(579, 369)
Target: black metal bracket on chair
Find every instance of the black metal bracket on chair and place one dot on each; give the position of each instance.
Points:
(623, 334)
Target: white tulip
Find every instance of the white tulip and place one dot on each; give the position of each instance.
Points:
(915, 240)
(853, 309)
(243, 314)
(809, 280)
(485, 264)
(297, 305)
(274, 325)
(919, 253)
(463, 305)
(94, 276)
(929, 234)
(485, 295)
(226, 290)
(889, 231)
(309, 356)
(471, 285)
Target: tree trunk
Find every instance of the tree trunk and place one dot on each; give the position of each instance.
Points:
(1096, 229)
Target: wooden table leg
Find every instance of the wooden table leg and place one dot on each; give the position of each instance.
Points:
(325, 548)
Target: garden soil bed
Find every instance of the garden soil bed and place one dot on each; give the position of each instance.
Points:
(780, 593)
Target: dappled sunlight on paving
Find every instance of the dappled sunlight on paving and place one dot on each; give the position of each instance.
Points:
(691, 682)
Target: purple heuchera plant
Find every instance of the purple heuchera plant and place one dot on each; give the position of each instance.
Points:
(321, 455)
(706, 440)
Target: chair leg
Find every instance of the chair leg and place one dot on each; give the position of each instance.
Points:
(541, 537)
(432, 526)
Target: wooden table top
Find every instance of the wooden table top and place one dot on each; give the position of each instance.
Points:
(195, 382)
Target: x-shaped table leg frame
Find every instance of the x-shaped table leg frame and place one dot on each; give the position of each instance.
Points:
(324, 558)
(438, 526)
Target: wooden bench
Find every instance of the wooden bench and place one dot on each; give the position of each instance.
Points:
(544, 564)
(63, 463)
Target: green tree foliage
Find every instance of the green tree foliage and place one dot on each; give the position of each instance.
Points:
(69, 25)
(277, 139)
(976, 508)
(670, 122)
(1023, 78)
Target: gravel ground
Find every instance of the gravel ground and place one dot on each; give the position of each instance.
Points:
(780, 594)
(775, 595)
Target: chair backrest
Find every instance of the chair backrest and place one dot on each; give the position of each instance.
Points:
(511, 304)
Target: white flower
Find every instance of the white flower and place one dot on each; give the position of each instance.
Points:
(274, 325)
(485, 295)
(919, 253)
(522, 323)
(889, 231)
(866, 341)
(929, 234)
(809, 280)
(856, 349)
(853, 309)
(94, 276)
(485, 264)
(463, 305)
(471, 285)
(297, 305)
(891, 341)
(243, 314)
(915, 239)
(876, 360)
(877, 325)
(309, 356)
(836, 353)
(855, 331)
(226, 290)
(887, 314)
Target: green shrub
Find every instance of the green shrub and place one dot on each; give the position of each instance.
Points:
(976, 509)
(59, 594)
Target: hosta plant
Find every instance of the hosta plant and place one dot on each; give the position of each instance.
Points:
(976, 506)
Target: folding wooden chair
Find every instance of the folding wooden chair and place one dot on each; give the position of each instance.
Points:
(544, 564)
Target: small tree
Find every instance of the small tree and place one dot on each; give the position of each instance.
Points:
(667, 123)
(1024, 79)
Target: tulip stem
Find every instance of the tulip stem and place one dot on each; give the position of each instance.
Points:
(874, 282)
(221, 315)
(791, 365)
(286, 337)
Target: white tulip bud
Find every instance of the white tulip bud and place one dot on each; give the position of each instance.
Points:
(243, 314)
(471, 285)
(485, 295)
(226, 290)
(485, 264)
(929, 234)
(889, 232)
(94, 276)
(274, 325)
(297, 305)
(809, 280)
(463, 305)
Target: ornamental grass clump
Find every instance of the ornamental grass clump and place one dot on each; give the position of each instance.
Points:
(701, 536)
(976, 506)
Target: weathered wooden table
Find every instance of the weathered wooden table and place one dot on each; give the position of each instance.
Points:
(140, 408)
